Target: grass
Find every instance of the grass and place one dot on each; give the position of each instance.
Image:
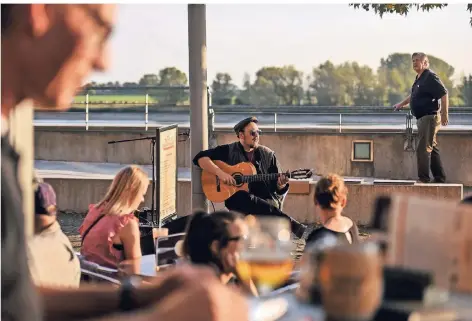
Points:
(108, 99)
(117, 101)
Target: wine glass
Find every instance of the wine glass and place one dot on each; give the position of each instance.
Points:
(265, 257)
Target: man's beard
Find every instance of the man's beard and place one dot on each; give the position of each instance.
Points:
(253, 145)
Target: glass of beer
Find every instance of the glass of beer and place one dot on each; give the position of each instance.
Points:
(351, 281)
(266, 257)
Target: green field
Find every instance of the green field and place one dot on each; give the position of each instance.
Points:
(125, 102)
(114, 99)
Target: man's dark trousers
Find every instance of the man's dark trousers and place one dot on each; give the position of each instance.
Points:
(247, 203)
(427, 152)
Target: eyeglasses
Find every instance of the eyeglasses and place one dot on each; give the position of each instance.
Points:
(98, 19)
(237, 238)
(255, 133)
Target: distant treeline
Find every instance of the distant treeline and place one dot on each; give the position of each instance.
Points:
(346, 84)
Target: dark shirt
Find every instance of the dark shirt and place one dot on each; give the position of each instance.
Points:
(426, 93)
(260, 189)
(20, 300)
(320, 232)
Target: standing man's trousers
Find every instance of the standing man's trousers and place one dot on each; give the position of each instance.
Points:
(427, 152)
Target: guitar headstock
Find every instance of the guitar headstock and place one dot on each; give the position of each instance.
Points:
(301, 173)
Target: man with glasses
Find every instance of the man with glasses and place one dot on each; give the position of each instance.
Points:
(429, 103)
(263, 198)
(48, 51)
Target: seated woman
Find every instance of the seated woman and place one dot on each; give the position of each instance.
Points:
(110, 231)
(215, 240)
(330, 199)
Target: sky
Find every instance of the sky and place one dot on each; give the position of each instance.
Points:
(241, 38)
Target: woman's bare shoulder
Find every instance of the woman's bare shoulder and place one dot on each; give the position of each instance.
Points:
(348, 222)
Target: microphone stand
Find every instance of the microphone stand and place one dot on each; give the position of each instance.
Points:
(153, 185)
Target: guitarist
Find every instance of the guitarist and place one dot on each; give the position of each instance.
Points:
(264, 198)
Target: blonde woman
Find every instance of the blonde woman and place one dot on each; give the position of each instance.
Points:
(110, 231)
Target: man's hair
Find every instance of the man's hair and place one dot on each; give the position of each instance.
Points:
(239, 127)
(421, 55)
(202, 229)
(7, 16)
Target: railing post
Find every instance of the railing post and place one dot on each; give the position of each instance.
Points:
(147, 111)
(210, 102)
(275, 122)
(340, 123)
(409, 132)
(212, 141)
(86, 110)
(409, 123)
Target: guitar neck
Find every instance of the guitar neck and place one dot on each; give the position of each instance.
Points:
(259, 177)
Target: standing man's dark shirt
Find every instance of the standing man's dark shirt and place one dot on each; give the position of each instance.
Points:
(426, 94)
(19, 296)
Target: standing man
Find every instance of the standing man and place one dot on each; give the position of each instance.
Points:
(264, 198)
(429, 103)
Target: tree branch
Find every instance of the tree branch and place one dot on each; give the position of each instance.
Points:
(401, 9)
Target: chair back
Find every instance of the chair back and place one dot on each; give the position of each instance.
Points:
(94, 273)
(168, 249)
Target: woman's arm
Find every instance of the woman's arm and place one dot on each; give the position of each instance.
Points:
(130, 238)
(355, 233)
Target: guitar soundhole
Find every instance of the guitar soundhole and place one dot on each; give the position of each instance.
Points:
(238, 177)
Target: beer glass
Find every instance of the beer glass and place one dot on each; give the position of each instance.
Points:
(266, 257)
(351, 281)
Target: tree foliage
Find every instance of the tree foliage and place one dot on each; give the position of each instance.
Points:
(465, 90)
(223, 89)
(402, 9)
(328, 84)
(172, 77)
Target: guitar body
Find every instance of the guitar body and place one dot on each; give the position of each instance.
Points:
(217, 191)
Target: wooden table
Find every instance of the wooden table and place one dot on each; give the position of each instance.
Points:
(146, 267)
(263, 307)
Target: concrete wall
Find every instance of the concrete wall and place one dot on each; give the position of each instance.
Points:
(92, 146)
(361, 199)
(322, 152)
(76, 195)
(332, 153)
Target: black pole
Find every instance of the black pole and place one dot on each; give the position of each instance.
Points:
(131, 140)
(153, 184)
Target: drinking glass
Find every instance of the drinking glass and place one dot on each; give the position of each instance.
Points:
(351, 281)
(266, 257)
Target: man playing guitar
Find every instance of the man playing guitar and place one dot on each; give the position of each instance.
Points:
(263, 198)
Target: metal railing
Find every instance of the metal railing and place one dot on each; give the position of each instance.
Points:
(268, 121)
(146, 98)
(277, 112)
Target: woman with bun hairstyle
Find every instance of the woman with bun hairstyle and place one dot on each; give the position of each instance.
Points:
(215, 239)
(330, 200)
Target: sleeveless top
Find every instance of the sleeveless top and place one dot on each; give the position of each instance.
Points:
(98, 245)
(320, 232)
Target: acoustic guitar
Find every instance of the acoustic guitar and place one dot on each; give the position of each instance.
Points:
(243, 173)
